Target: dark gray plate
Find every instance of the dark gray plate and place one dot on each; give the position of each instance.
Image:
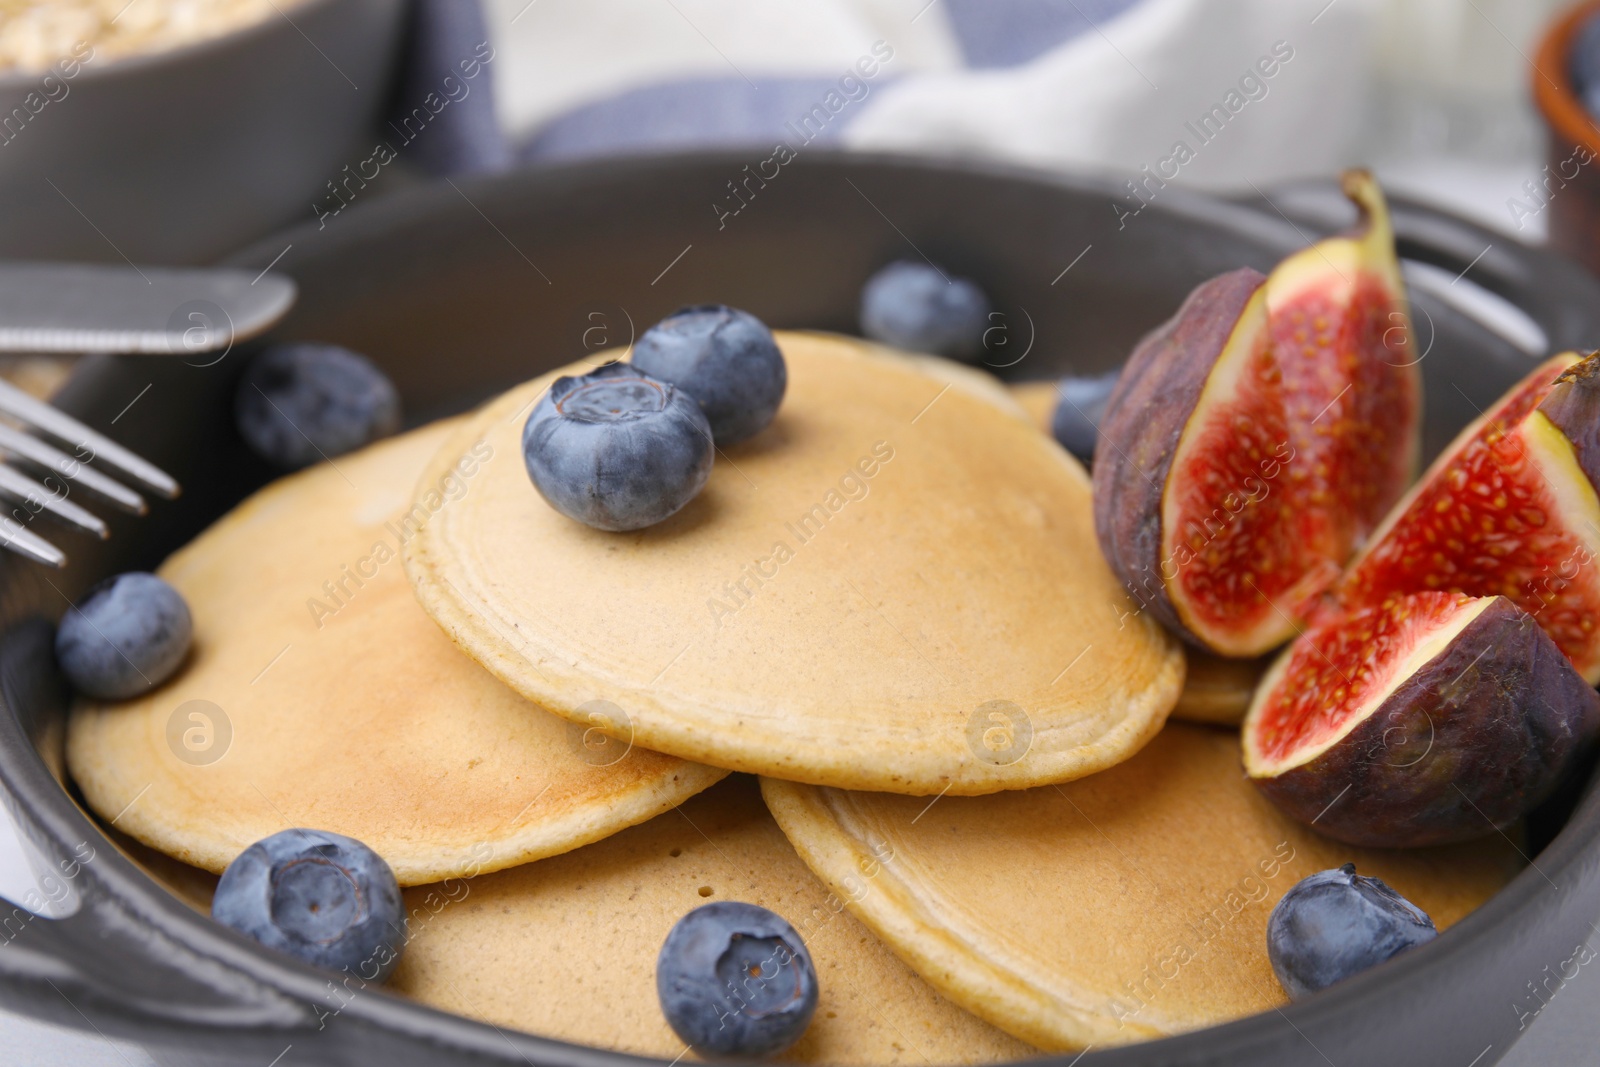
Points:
(461, 293)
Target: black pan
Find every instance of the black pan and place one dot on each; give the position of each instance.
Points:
(460, 292)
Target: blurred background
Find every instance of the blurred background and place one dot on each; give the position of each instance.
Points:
(177, 130)
(1434, 93)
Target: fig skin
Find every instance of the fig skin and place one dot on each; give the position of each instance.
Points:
(1473, 741)
(1573, 406)
(1144, 418)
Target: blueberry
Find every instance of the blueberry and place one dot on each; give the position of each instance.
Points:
(301, 403)
(616, 448)
(1337, 923)
(125, 637)
(321, 897)
(735, 980)
(917, 307)
(1082, 402)
(723, 357)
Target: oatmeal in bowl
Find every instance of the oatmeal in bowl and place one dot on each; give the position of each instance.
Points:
(36, 33)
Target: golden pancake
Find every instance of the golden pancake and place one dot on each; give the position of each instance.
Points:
(974, 380)
(1038, 401)
(319, 694)
(1128, 905)
(567, 948)
(1217, 690)
(895, 586)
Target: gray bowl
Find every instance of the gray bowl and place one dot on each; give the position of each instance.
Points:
(459, 294)
(179, 156)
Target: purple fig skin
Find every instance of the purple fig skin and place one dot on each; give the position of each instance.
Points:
(1573, 405)
(1145, 416)
(1473, 741)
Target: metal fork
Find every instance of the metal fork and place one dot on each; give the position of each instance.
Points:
(82, 308)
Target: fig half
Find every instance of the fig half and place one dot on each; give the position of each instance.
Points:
(1434, 717)
(1256, 439)
(1341, 334)
(1510, 508)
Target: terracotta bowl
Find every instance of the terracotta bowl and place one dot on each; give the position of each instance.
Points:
(1571, 180)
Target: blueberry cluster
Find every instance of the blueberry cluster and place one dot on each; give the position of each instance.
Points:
(629, 444)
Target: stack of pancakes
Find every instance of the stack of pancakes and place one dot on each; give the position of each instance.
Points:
(889, 606)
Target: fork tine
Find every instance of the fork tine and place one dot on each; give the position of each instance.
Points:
(18, 443)
(57, 423)
(21, 487)
(19, 539)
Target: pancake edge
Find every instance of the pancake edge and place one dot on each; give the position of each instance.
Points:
(422, 867)
(625, 809)
(955, 968)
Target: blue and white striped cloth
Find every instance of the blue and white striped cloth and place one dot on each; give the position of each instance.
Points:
(736, 109)
(1224, 92)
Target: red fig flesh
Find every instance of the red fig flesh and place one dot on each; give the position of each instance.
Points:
(1509, 508)
(1341, 333)
(1435, 717)
(1256, 438)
